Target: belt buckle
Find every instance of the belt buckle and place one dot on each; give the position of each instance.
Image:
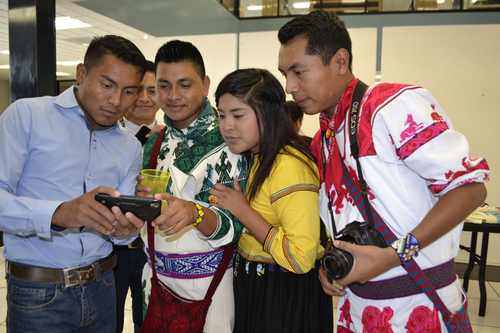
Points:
(79, 275)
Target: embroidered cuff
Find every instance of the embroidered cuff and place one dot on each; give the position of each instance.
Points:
(406, 247)
(269, 239)
(216, 234)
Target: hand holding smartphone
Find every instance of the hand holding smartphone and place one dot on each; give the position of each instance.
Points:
(141, 134)
(147, 209)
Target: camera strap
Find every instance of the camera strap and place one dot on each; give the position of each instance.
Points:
(357, 96)
(369, 214)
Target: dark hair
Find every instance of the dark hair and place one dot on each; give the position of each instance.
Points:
(123, 49)
(295, 111)
(325, 32)
(178, 51)
(260, 90)
(150, 66)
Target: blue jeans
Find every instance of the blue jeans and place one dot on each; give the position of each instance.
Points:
(45, 307)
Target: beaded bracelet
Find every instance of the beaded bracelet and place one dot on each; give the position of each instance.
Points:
(201, 214)
(406, 247)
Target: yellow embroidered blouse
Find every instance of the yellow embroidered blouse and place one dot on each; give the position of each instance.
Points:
(289, 201)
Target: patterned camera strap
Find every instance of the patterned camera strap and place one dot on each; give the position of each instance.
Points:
(369, 214)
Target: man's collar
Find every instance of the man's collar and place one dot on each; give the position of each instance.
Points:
(207, 111)
(67, 100)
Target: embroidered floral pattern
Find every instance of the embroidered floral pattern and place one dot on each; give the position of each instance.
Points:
(423, 320)
(375, 321)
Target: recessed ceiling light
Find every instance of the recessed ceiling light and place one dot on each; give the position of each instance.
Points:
(70, 63)
(441, 1)
(145, 36)
(4, 52)
(299, 5)
(255, 7)
(61, 74)
(66, 22)
(4, 66)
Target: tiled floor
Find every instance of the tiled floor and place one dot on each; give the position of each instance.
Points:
(487, 324)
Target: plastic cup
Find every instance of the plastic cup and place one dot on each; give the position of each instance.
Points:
(156, 179)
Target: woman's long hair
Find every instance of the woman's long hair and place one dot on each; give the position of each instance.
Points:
(260, 90)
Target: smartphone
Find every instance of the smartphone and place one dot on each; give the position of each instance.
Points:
(147, 209)
(141, 134)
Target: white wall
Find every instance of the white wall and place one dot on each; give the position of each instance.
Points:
(4, 95)
(260, 49)
(460, 66)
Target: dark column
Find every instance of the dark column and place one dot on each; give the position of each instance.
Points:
(32, 44)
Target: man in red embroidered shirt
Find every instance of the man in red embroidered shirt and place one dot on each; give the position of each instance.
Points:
(420, 180)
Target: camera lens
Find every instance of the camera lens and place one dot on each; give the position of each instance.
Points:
(337, 263)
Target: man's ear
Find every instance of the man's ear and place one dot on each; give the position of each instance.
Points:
(341, 61)
(206, 85)
(81, 73)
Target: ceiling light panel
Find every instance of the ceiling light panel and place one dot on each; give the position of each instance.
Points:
(301, 5)
(66, 22)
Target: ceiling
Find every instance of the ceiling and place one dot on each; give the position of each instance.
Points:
(134, 19)
(127, 18)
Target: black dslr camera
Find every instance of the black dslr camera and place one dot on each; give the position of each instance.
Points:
(337, 263)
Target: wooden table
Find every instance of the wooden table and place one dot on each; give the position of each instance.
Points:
(486, 229)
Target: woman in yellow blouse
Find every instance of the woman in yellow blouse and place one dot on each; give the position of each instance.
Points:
(276, 285)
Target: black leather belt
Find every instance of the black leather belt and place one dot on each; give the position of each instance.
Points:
(137, 243)
(68, 277)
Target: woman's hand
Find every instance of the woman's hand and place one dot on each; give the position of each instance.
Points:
(228, 198)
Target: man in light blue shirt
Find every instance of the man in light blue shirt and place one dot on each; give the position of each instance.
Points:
(57, 153)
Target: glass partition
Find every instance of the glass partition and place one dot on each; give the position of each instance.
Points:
(272, 8)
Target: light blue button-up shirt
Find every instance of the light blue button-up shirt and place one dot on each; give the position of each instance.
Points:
(49, 154)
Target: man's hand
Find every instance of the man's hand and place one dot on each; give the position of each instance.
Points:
(140, 189)
(85, 211)
(155, 129)
(177, 214)
(127, 223)
(328, 286)
(369, 261)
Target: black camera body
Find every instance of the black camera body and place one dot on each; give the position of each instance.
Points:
(337, 263)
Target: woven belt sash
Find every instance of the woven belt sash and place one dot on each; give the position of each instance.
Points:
(404, 285)
(189, 266)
